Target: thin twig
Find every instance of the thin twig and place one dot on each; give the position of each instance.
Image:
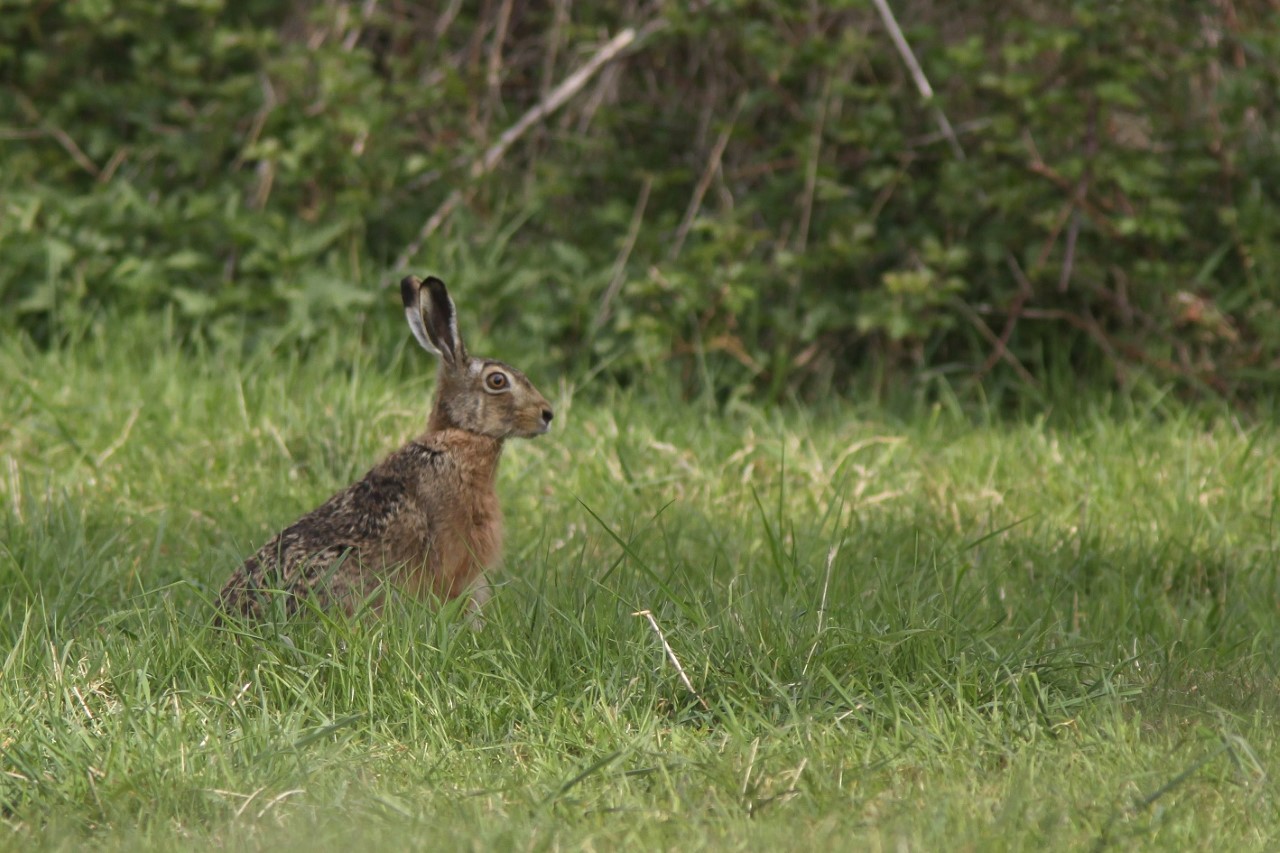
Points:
(1114, 348)
(266, 177)
(917, 74)
(620, 265)
(1000, 350)
(605, 87)
(551, 42)
(1077, 197)
(1015, 313)
(811, 170)
(552, 102)
(970, 126)
(562, 93)
(493, 74)
(559, 20)
(446, 19)
(109, 170)
(269, 103)
(1096, 212)
(1058, 224)
(353, 37)
(68, 144)
(1069, 251)
(704, 182)
(671, 655)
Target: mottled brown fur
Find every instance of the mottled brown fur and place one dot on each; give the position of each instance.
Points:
(425, 519)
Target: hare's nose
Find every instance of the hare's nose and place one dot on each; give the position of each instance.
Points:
(547, 415)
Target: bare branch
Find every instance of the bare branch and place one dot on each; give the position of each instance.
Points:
(63, 138)
(620, 265)
(1014, 314)
(1081, 192)
(1001, 351)
(811, 169)
(917, 74)
(562, 93)
(353, 35)
(493, 75)
(704, 182)
(555, 99)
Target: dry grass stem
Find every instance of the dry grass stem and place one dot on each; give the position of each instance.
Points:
(671, 655)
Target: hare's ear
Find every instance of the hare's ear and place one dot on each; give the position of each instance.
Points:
(409, 289)
(434, 321)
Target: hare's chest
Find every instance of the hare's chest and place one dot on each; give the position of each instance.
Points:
(447, 546)
(484, 531)
(466, 544)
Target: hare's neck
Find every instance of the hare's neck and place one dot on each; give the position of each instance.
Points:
(485, 453)
(439, 420)
(477, 455)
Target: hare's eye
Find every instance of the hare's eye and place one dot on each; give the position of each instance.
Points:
(497, 381)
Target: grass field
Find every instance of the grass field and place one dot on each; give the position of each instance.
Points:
(912, 631)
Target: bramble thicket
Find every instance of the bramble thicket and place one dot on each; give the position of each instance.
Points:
(755, 193)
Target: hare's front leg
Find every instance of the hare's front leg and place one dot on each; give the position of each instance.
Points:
(479, 596)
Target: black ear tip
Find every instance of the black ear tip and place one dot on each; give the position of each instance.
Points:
(436, 287)
(409, 290)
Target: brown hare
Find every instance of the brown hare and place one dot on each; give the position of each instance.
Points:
(425, 519)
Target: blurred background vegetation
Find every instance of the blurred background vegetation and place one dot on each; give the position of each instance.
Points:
(753, 196)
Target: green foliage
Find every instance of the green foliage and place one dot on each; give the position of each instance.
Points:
(1114, 203)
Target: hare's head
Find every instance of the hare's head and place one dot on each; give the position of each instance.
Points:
(478, 395)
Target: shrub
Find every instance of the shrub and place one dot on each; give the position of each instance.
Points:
(755, 191)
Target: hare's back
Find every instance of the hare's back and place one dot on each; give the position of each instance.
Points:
(329, 552)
